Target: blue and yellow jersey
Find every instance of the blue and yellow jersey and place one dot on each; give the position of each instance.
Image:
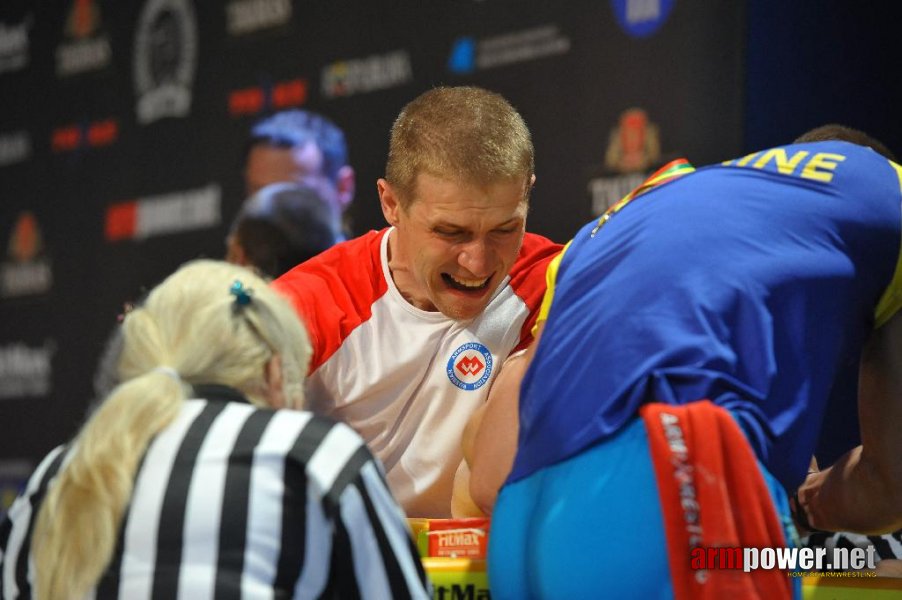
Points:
(753, 283)
(672, 170)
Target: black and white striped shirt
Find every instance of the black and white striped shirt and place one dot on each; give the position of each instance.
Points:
(888, 545)
(232, 501)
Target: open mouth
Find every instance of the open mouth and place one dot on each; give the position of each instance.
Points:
(466, 285)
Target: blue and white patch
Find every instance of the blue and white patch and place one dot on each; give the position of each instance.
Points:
(641, 18)
(470, 367)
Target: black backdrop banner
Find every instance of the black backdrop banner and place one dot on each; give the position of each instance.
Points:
(123, 125)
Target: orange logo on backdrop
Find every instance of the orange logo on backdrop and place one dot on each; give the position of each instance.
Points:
(252, 100)
(83, 19)
(633, 144)
(121, 221)
(25, 243)
(95, 134)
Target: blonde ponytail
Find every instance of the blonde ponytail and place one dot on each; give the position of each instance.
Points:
(76, 528)
(189, 331)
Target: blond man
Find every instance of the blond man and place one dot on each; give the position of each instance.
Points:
(410, 324)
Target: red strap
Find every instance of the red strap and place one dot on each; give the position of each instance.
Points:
(712, 495)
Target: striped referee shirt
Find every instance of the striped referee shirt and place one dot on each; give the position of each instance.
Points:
(233, 501)
(888, 545)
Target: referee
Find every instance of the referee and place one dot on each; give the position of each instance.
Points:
(201, 490)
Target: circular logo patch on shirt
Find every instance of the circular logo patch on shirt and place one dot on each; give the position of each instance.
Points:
(470, 366)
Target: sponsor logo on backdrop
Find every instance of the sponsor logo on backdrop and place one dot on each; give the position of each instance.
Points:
(26, 270)
(86, 47)
(634, 144)
(93, 134)
(256, 99)
(634, 148)
(175, 212)
(463, 56)
(469, 54)
(641, 18)
(165, 59)
(369, 74)
(470, 366)
(26, 370)
(249, 16)
(14, 45)
(15, 147)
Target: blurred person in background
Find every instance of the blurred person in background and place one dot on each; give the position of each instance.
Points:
(302, 147)
(279, 227)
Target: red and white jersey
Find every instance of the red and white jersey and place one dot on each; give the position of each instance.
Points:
(406, 379)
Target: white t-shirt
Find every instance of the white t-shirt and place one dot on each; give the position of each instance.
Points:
(406, 379)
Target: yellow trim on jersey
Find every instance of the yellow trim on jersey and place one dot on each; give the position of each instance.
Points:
(671, 170)
(891, 301)
(550, 279)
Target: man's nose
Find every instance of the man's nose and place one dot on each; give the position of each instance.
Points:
(474, 257)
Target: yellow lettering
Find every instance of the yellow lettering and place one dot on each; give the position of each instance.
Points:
(746, 160)
(785, 165)
(898, 170)
(826, 162)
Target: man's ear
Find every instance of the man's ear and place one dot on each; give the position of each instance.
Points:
(388, 199)
(345, 184)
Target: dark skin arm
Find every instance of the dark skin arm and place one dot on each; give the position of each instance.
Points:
(862, 491)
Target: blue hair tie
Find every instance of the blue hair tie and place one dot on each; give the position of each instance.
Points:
(241, 293)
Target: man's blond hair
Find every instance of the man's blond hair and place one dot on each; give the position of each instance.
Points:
(465, 134)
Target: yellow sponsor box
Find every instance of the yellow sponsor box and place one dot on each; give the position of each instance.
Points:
(850, 586)
(458, 578)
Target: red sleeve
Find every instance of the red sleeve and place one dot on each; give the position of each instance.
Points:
(528, 279)
(334, 292)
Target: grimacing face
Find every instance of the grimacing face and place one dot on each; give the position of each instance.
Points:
(455, 242)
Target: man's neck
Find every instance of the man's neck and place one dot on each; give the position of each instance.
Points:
(402, 276)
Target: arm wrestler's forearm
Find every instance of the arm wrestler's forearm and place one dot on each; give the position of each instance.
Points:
(863, 491)
(853, 495)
